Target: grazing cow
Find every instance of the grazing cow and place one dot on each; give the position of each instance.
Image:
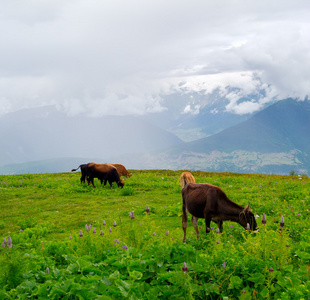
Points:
(122, 171)
(104, 172)
(83, 168)
(186, 177)
(209, 202)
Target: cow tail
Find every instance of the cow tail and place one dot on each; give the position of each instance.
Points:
(73, 170)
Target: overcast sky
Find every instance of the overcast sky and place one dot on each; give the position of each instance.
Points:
(123, 57)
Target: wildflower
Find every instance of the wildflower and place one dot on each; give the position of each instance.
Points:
(217, 230)
(248, 228)
(287, 245)
(71, 238)
(89, 227)
(217, 241)
(104, 223)
(116, 240)
(211, 228)
(125, 247)
(299, 215)
(167, 232)
(224, 266)
(282, 222)
(10, 242)
(86, 226)
(94, 231)
(21, 230)
(114, 224)
(184, 268)
(81, 233)
(231, 226)
(154, 233)
(47, 270)
(147, 209)
(264, 220)
(243, 291)
(271, 269)
(132, 215)
(101, 232)
(110, 230)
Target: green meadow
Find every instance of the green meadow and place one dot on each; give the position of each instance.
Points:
(73, 241)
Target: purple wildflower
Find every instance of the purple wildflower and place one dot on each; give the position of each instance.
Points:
(154, 233)
(224, 266)
(264, 220)
(114, 224)
(271, 269)
(104, 223)
(184, 267)
(89, 227)
(147, 209)
(282, 222)
(71, 238)
(110, 230)
(231, 226)
(86, 226)
(287, 245)
(132, 215)
(217, 230)
(116, 240)
(94, 231)
(101, 232)
(217, 241)
(167, 232)
(81, 233)
(47, 270)
(10, 242)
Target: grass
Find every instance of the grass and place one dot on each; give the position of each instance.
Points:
(42, 211)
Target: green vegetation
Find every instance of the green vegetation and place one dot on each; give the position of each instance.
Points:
(143, 258)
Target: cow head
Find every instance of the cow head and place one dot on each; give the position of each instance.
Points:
(121, 183)
(247, 217)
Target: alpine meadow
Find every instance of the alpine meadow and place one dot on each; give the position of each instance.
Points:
(65, 240)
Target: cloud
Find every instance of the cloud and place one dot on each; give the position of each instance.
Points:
(118, 57)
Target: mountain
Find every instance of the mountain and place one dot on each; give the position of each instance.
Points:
(44, 133)
(194, 115)
(275, 140)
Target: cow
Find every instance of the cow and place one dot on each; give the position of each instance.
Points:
(104, 172)
(83, 168)
(122, 171)
(186, 177)
(209, 202)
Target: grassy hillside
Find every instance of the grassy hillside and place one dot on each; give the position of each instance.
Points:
(142, 258)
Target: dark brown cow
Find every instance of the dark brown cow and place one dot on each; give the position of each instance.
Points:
(104, 172)
(122, 171)
(209, 202)
(185, 178)
(83, 168)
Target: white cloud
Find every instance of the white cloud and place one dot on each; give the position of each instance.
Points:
(118, 57)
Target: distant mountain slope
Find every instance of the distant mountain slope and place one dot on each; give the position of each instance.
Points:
(44, 133)
(275, 140)
(281, 127)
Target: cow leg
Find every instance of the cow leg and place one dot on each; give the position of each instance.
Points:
(195, 224)
(207, 222)
(220, 225)
(184, 221)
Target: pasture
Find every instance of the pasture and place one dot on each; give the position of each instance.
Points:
(144, 257)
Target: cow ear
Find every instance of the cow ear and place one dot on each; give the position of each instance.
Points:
(247, 208)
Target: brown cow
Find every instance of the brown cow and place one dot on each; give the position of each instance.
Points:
(104, 172)
(185, 178)
(122, 171)
(211, 203)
